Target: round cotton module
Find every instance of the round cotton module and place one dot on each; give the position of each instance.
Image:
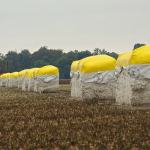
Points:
(47, 70)
(46, 79)
(140, 55)
(97, 63)
(75, 79)
(123, 59)
(96, 78)
(74, 66)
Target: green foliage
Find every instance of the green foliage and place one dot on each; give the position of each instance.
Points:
(138, 45)
(25, 59)
(98, 51)
(14, 61)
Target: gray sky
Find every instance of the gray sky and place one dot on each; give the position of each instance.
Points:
(73, 24)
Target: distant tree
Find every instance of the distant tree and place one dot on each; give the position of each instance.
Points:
(83, 54)
(25, 59)
(39, 63)
(138, 45)
(114, 55)
(98, 51)
(14, 61)
(2, 57)
(49, 56)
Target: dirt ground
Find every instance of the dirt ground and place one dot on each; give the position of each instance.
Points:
(56, 121)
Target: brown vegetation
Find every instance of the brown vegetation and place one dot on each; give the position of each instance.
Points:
(64, 81)
(55, 121)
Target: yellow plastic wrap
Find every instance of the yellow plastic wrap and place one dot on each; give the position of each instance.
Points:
(141, 55)
(124, 59)
(97, 63)
(1, 76)
(35, 72)
(47, 70)
(5, 75)
(14, 75)
(22, 73)
(30, 73)
(74, 66)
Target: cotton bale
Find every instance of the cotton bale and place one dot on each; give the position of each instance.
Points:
(135, 89)
(24, 80)
(122, 86)
(31, 76)
(97, 76)
(46, 79)
(75, 79)
(4, 79)
(1, 80)
(13, 81)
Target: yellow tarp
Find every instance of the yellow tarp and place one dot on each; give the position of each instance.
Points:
(97, 63)
(124, 59)
(5, 75)
(47, 70)
(1, 76)
(74, 66)
(141, 55)
(14, 75)
(35, 72)
(31, 72)
(23, 73)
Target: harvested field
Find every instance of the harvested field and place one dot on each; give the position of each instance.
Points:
(56, 121)
(64, 81)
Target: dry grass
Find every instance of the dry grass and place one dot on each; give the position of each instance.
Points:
(54, 121)
(64, 81)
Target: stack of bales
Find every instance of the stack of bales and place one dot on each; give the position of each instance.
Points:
(75, 79)
(21, 76)
(31, 75)
(134, 80)
(123, 60)
(13, 79)
(122, 76)
(46, 79)
(36, 79)
(27, 79)
(4, 80)
(1, 80)
(97, 78)
(24, 79)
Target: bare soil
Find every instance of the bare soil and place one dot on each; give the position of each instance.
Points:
(56, 121)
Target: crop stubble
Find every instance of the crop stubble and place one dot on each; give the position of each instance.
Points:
(56, 121)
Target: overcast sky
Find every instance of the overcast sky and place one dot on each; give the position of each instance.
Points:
(73, 24)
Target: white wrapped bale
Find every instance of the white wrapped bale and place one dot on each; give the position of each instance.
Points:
(99, 85)
(46, 79)
(97, 78)
(76, 85)
(24, 81)
(3, 80)
(13, 81)
(20, 78)
(133, 86)
(31, 74)
(75, 80)
(122, 86)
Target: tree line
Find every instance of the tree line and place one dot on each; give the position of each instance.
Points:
(14, 61)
